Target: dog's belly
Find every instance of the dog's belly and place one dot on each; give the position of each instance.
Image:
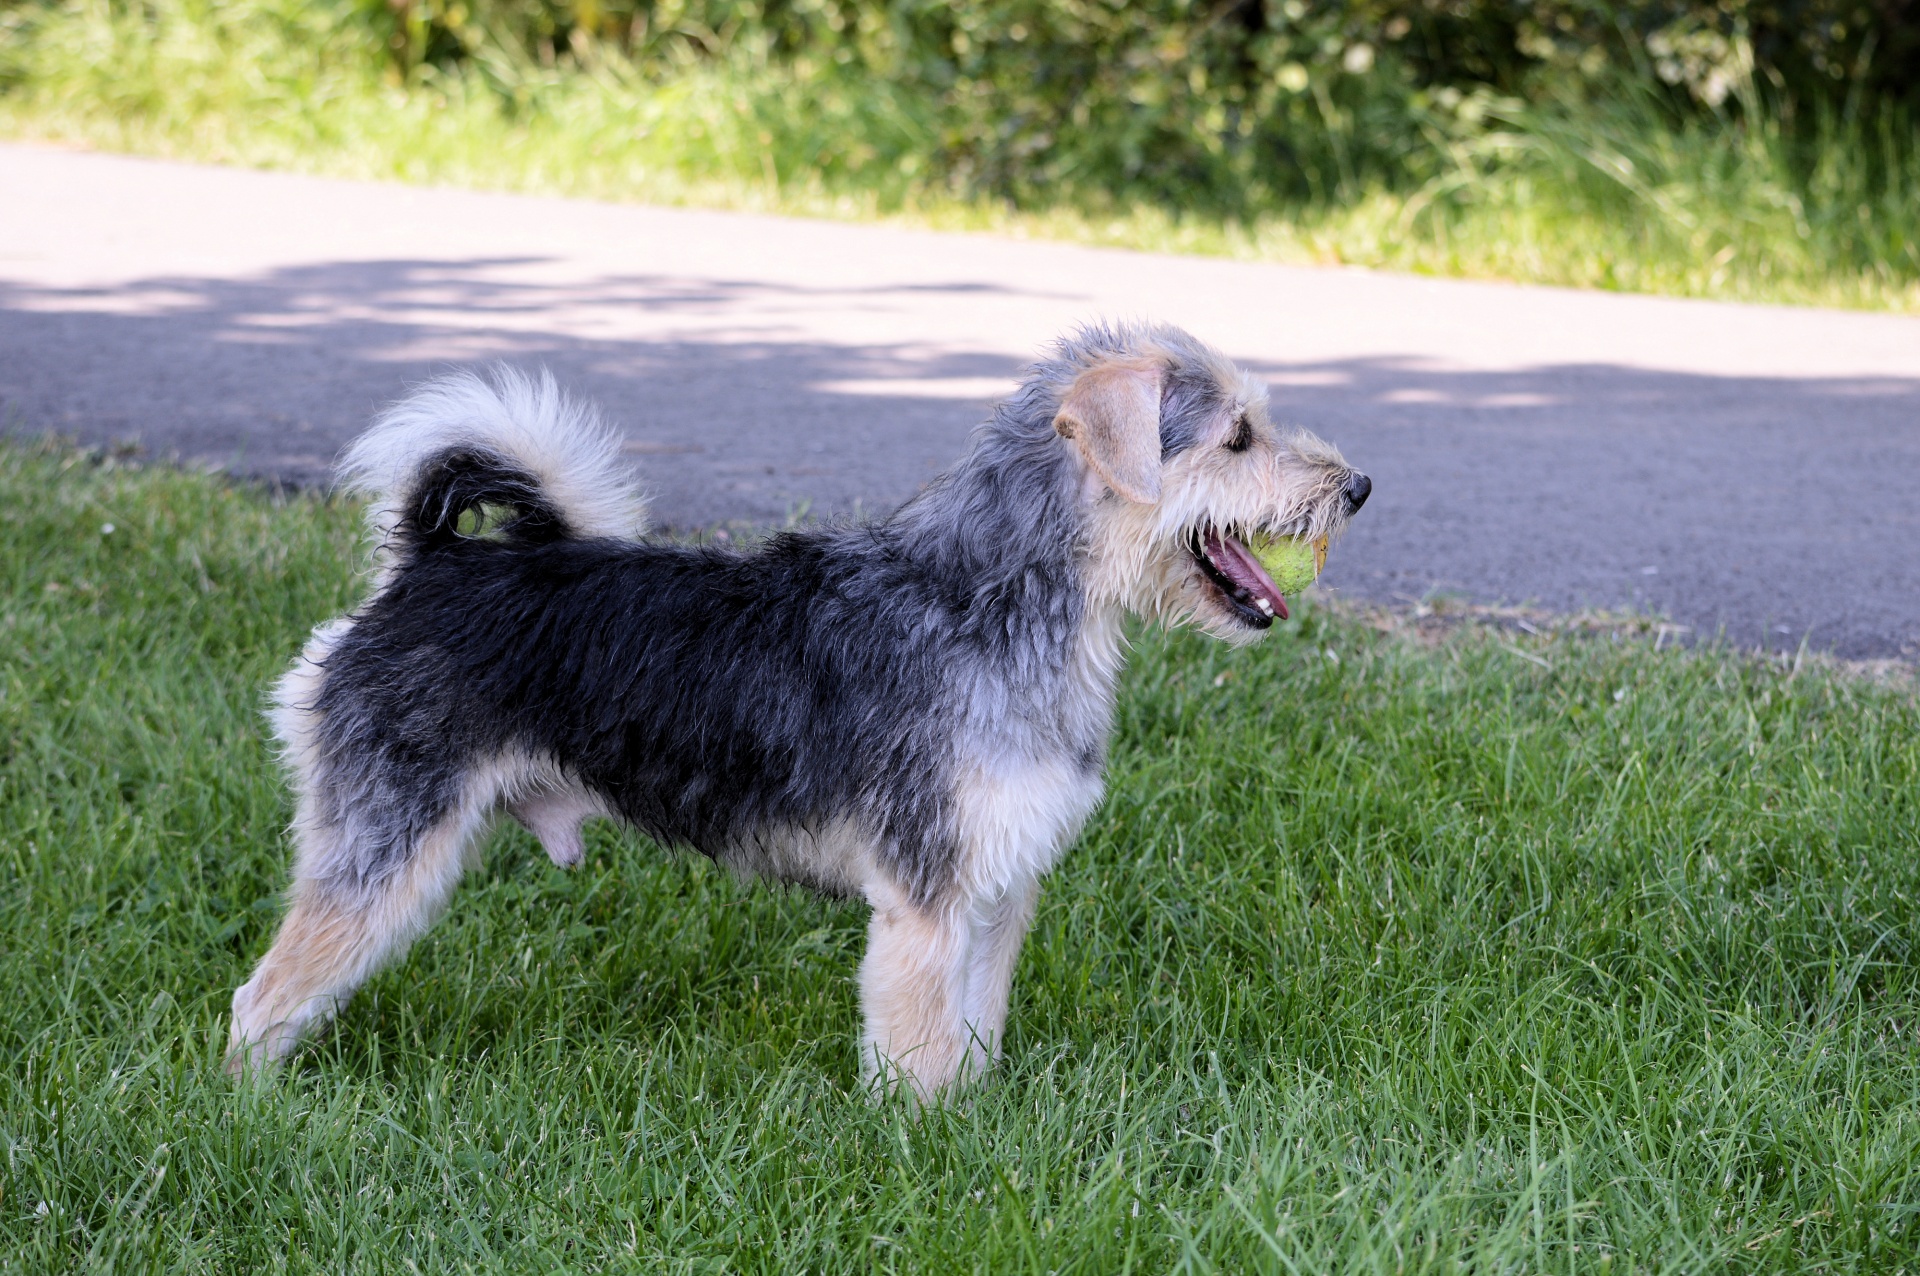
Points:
(833, 857)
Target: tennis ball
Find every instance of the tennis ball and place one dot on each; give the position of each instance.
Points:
(1293, 562)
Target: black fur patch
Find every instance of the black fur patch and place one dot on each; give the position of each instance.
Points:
(705, 693)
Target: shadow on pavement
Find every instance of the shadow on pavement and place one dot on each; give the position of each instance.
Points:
(1774, 509)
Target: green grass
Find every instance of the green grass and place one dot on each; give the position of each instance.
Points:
(1614, 193)
(1505, 954)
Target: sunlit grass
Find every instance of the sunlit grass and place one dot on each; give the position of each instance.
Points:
(1380, 957)
(1608, 196)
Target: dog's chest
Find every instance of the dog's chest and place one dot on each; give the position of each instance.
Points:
(1026, 783)
(1016, 817)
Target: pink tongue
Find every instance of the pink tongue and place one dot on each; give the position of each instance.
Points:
(1240, 567)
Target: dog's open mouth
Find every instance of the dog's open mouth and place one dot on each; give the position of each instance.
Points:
(1233, 570)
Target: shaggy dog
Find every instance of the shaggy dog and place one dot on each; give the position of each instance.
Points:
(913, 711)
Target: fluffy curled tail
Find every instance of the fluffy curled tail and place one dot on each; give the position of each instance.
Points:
(507, 449)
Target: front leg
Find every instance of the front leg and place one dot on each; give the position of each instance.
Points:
(913, 987)
(998, 929)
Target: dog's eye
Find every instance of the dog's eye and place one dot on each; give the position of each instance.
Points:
(1242, 437)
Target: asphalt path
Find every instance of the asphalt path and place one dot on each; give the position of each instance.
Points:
(1746, 470)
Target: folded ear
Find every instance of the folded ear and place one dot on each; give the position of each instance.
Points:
(1112, 411)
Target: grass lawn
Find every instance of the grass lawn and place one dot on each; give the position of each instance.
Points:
(1506, 954)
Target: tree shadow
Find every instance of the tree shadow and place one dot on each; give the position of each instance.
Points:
(272, 376)
(1773, 509)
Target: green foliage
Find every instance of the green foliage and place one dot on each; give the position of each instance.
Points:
(1336, 133)
(1511, 954)
(1235, 103)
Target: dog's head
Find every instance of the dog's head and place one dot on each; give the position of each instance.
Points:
(1182, 468)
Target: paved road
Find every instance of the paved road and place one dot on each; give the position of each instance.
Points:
(1748, 468)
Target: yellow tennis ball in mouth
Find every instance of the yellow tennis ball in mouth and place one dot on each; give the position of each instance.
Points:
(1292, 561)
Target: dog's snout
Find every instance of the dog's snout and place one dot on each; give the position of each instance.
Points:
(1359, 487)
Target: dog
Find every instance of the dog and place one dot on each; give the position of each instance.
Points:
(913, 711)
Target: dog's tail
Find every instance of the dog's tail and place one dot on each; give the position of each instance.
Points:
(506, 453)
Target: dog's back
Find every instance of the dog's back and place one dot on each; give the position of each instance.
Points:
(711, 697)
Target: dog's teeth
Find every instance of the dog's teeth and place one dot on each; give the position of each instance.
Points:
(1264, 605)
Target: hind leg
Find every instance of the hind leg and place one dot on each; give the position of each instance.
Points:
(339, 930)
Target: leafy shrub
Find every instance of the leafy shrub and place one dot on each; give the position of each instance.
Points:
(1231, 103)
(1758, 151)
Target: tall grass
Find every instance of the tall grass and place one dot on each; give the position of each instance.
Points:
(1612, 190)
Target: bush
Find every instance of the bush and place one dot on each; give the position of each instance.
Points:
(1748, 151)
(1232, 104)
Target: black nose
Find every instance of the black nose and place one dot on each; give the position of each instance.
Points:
(1359, 487)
